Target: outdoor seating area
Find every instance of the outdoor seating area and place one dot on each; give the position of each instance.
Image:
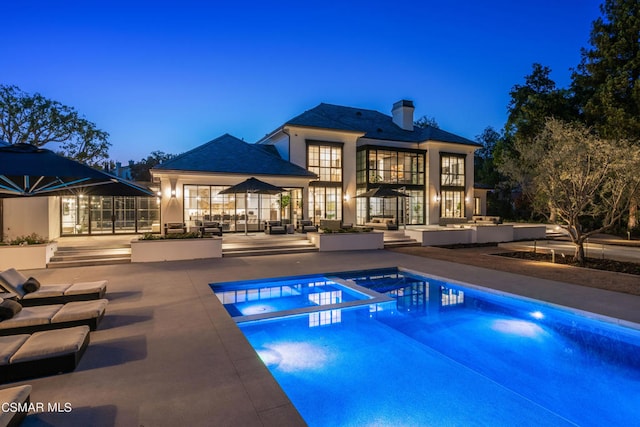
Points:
(29, 292)
(175, 228)
(275, 227)
(43, 353)
(382, 222)
(306, 226)
(209, 228)
(20, 320)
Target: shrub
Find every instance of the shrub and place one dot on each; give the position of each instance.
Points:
(151, 236)
(31, 239)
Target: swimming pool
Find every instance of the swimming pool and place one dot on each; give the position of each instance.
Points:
(446, 354)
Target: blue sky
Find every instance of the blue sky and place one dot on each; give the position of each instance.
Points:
(170, 76)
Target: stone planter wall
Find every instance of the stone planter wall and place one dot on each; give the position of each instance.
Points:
(529, 232)
(435, 237)
(175, 249)
(26, 257)
(347, 241)
(492, 233)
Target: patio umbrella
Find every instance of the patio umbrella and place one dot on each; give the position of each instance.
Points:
(255, 186)
(26, 170)
(383, 193)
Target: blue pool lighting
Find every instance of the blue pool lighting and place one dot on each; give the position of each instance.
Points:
(440, 353)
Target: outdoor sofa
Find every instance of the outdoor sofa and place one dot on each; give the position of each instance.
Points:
(26, 320)
(212, 228)
(42, 353)
(19, 395)
(306, 226)
(14, 282)
(384, 222)
(275, 227)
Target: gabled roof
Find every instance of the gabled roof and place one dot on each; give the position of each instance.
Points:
(228, 154)
(373, 124)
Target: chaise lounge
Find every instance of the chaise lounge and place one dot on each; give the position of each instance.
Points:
(46, 317)
(42, 353)
(14, 415)
(17, 283)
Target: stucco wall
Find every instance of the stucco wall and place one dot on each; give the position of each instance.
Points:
(26, 215)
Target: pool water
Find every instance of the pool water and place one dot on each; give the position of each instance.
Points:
(446, 354)
(256, 297)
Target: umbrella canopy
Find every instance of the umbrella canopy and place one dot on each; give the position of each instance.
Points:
(26, 170)
(253, 185)
(383, 192)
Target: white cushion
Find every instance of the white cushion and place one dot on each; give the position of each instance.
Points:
(13, 279)
(46, 344)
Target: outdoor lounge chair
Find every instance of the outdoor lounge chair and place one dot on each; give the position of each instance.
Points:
(57, 316)
(42, 353)
(13, 282)
(20, 395)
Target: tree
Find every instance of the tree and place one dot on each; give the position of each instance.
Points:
(532, 103)
(140, 170)
(583, 178)
(426, 121)
(606, 81)
(34, 119)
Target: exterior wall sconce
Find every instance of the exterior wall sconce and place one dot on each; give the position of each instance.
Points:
(347, 197)
(173, 193)
(437, 198)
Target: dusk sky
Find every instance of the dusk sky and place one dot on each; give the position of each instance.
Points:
(170, 76)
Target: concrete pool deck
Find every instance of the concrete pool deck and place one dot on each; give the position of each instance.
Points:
(168, 354)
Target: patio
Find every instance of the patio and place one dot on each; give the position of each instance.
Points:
(168, 354)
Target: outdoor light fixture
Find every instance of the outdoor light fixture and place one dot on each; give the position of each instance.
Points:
(347, 197)
(437, 198)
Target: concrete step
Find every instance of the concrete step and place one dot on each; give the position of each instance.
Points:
(89, 262)
(77, 256)
(265, 251)
(397, 243)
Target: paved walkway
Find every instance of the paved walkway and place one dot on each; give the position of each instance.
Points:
(168, 354)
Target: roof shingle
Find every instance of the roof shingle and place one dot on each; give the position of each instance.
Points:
(373, 124)
(228, 154)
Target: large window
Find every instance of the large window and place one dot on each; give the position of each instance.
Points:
(403, 170)
(325, 161)
(452, 170)
(452, 181)
(325, 195)
(376, 165)
(325, 203)
(235, 212)
(109, 215)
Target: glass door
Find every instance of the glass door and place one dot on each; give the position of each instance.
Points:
(124, 214)
(101, 214)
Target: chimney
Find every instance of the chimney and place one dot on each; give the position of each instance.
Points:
(403, 114)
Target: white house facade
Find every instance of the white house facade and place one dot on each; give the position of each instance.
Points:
(325, 159)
